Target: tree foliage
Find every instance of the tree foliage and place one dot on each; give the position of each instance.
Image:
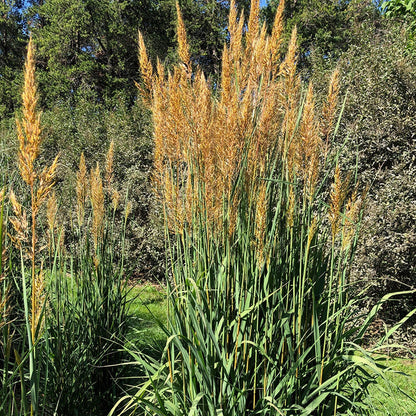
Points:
(12, 41)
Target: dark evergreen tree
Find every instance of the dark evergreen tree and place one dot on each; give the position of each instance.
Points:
(12, 43)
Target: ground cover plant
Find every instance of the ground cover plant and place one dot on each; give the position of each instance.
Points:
(262, 225)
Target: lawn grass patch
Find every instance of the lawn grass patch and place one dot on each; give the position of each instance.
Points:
(148, 309)
(389, 397)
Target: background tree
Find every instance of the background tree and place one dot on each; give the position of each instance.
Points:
(325, 28)
(12, 42)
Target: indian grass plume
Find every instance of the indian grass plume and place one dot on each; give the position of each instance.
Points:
(146, 70)
(330, 106)
(353, 209)
(200, 134)
(183, 47)
(29, 135)
(309, 145)
(97, 202)
(128, 209)
(81, 189)
(339, 190)
(19, 222)
(235, 29)
(29, 129)
(46, 181)
(115, 199)
(109, 160)
(51, 212)
(276, 38)
(253, 24)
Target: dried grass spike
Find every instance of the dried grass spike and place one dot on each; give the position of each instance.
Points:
(329, 108)
(46, 182)
(97, 201)
(182, 42)
(81, 189)
(29, 129)
(146, 70)
(109, 166)
(51, 211)
(253, 23)
(337, 198)
(276, 37)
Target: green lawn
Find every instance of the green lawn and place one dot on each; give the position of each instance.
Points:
(387, 398)
(149, 306)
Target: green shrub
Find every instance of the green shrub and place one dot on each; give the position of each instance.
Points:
(379, 123)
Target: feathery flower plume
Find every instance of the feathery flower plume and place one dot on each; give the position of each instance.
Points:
(353, 208)
(51, 211)
(183, 48)
(115, 199)
(253, 23)
(81, 189)
(337, 198)
(109, 166)
(329, 108)
(146, 70)
(29, 129)
(309, 145)
(19, 222)
(97, 202)
(276, 38)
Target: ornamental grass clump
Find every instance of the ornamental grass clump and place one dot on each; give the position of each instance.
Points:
(63, 311)
(40, 182)
(88, 307)
(261, 226)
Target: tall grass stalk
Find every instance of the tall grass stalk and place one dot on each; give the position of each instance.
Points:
(262, 227)
(88, 307)
(40, 182)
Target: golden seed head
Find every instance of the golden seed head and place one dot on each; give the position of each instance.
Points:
(109, 165)
(129, 208)
(97, 202)
(183, 48)
(115, 199)
(81, 189)
(146, 70)
(337, 198)
(29, 129)
(19, 222)
(51, 210)
(329, 108)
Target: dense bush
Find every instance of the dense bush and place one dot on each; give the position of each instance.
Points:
(379, 126)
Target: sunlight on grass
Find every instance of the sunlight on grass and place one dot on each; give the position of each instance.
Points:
(386, 397)
(148, 308)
